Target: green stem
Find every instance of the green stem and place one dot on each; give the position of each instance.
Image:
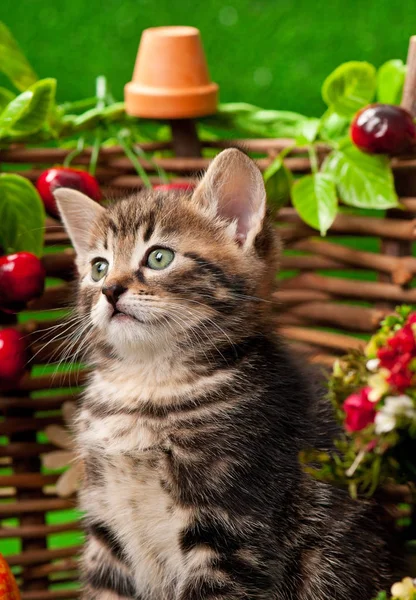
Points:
(95, 152)
(133, 158)
(101, 91)
(76, 152)
(283, 153)
(313, 157)
(160, 171)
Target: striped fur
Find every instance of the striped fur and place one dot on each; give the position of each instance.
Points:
(195, 413)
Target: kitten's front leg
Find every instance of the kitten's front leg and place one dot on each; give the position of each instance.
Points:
(220, 567)
(104, 574)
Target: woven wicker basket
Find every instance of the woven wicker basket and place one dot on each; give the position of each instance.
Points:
(331, 296)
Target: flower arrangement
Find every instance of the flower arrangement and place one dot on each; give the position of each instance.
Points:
(374, 396)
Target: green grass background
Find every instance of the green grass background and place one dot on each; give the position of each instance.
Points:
(274, 53)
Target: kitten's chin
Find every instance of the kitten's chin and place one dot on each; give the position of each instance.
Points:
(128, 335)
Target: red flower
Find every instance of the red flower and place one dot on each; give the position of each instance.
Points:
(400, 380)
(396, 356)
(412, 319)
(387, 357)
(403, 340)
(359, 411)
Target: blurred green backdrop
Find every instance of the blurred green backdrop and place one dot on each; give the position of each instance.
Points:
(274, 53)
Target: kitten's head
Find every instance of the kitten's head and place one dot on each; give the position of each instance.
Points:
(160, 268)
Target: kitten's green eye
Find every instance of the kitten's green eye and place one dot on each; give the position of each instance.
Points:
(99, 269)
(160, 258)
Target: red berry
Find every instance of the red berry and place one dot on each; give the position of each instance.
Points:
(383, 129)
(12, 356)
(164, 187)
(58, 177)
(22, 278)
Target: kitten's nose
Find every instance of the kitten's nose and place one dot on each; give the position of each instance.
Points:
(113, 292)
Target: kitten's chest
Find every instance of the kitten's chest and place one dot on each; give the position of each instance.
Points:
(135, 504)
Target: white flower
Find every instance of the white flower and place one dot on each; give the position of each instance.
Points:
(394, 407)
(400, 406)
(384, 422)
(372, 364)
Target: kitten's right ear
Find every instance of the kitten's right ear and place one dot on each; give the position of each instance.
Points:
(78, 214)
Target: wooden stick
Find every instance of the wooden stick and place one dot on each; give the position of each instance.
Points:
(40, 556)
(60, 238)
(53, 155)
(359, 225)
(289, 297)
(310, 263)
(343, 316)
(327, 339)
(409, 92)
(42, 505)
(60, 265)
(36, 531)
(66, 564)
(58, 296)
(352, 288)
(24, 449)
(16, 425)
(55, 381)
(401, 268)
(264, 145)
(47, 403)
(28, 481)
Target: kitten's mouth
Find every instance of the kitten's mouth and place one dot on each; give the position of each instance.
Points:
(120, 315)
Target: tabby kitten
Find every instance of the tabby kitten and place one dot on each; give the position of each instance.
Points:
(194, 415)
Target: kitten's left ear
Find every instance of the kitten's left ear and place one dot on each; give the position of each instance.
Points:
(233, 187)
(78, 214)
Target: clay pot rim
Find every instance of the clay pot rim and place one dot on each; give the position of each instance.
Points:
(154, 101)
(174, 30)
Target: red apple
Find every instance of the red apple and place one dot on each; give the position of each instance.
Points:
(12, 356)
(58, 177)
(383, 129)
(22, 278)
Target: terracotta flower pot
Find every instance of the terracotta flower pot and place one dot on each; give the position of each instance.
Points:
(171, 79)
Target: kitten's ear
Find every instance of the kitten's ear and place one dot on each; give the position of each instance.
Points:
(78, 214)
(233, 186)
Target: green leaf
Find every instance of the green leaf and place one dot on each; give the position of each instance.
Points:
(333, 126)
(363, 180)
(6, 96)
(13, 63)
(308, 130)
(278, 181)
(315, 199)
(28, 112)
(22, 215)
(256, 121)
(348, 88)
(390, 82)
